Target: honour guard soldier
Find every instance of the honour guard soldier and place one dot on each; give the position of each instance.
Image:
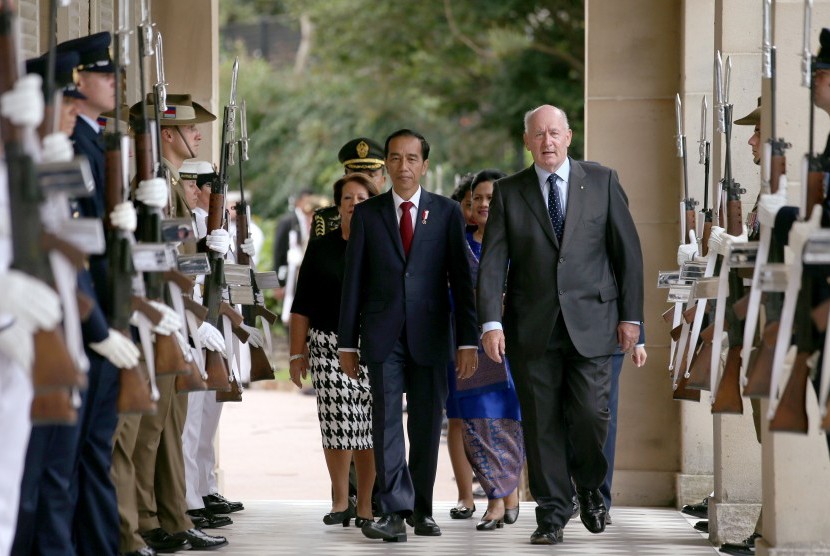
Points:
(159, 467)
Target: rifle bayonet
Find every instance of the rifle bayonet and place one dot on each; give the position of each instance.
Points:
(806, 53)
(161, 84)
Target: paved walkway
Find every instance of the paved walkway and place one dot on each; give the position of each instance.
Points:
(271, 459)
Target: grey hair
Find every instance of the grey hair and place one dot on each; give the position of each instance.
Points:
(529, 114)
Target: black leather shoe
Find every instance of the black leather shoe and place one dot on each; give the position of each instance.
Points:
(462, 512)
(199, 540)
(390, 528)
(163, 542)
(591, 509)
(217, 498)
(344, 517)
(702, 526)
(511, 515)
(143, 551)
(425, 526)
(205, 519)
(697, 510)
(745, 548)
(487, 524)
(545, 535)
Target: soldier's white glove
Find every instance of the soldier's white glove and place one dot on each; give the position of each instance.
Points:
(729, 239)
(170, 320)
(218, 240)
(769, 205)
(716, 239)
(248, 247)
(33, 304)
(686, 252)
(152, 192)
(211, 338)
(120, 350)
(23, 104)
(18, 345)
(256, 339)
(123, 216)
(57, 148)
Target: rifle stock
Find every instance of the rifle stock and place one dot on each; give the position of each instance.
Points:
(134, 395)
(668, 315)
(191, 381)
(700, 369)
(54, 408)
(217, 371)
(728, 398)
(791, 413)
(53, 366)
(681, 390)
(815, 190)
(232, 394)
(759, 375)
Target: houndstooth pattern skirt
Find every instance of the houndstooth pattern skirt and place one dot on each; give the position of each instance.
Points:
(344, 405)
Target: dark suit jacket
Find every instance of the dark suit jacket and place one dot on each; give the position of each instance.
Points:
(87, 143)
(383, 289)
(94, 281)
(595, 278)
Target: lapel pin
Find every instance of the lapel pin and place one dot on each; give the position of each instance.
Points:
(424, 217)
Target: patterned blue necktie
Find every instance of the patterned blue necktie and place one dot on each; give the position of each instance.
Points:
(557, 217)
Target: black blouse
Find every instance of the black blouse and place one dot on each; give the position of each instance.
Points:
(320, 282)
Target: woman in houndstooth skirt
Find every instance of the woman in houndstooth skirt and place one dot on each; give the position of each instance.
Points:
(344, 405)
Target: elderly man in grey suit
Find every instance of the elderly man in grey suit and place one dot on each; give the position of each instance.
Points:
(561, 234)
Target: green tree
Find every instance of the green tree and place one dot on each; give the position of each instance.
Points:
(463, 72)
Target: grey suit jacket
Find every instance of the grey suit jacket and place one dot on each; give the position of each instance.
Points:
(595, 278)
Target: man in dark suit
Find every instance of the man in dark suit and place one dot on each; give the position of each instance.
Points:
(574, 293)
(405, 255)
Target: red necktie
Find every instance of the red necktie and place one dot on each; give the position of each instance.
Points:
(406, 226)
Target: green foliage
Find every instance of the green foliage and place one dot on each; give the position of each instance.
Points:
(462, 72)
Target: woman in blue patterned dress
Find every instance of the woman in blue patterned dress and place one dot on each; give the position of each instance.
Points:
(486, 404)
(344, 405)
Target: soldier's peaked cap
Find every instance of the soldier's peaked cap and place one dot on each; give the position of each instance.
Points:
(65, 64)
(361, 154)
(93, 50)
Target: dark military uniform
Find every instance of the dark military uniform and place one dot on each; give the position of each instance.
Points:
(357, 155)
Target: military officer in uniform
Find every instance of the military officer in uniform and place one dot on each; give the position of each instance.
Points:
(358, 155)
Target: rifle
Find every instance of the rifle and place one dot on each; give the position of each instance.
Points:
(725, 390)
(796, 303)
(216, 218)
(196, 380)
(135, 396)
(52, 363)
(261, 367)
(687, 230)
(168, 354)
(756, 383)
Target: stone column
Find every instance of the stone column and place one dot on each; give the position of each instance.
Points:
(630, 81)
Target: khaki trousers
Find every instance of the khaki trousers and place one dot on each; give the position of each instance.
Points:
(123, 477)
(159, 465)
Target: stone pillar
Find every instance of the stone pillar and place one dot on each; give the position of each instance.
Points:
(694, 479)
(190, 29)
(630, 81)
(734, 509)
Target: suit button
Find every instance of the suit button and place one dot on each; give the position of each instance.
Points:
(561, 292)
(407, 275)
(561, 259)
